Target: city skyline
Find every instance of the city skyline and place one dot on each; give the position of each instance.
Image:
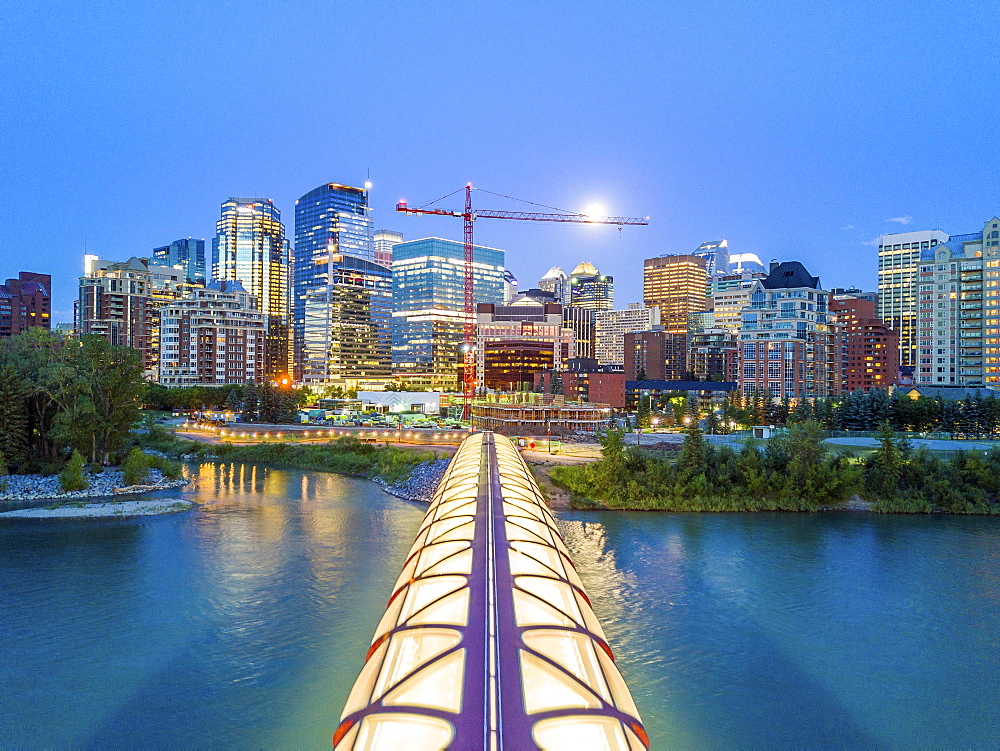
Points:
(764, 139)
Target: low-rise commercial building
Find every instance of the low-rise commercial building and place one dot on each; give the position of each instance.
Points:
(708, 392)
(540, 416)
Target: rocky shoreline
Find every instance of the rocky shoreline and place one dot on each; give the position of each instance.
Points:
(105, 484)
(421, 483)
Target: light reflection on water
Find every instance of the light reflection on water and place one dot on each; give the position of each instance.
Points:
(783, 630)
(245, 622)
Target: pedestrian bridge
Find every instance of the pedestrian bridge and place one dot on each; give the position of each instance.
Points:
(489, 640)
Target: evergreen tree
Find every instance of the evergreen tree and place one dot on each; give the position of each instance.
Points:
(251, 403)
(692, 460)
(752, 472)
(135, 469)
(884, 466)
(642, 415)
(949, 415)
(803, 411)
(13, 416)
(232, 401)
(72, 477)
(641, 375)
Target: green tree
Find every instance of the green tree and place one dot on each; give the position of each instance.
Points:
(13, 416)
(884, 467)
(692, 460)
(72, 477)
(642, 414)
(251, 403)
(135, 468)
(100, 402)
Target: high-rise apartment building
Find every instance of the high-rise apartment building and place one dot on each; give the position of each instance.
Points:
(25, 303)
(121, 302)
(187, 254)
(728, 295)
(871, 349)
(957, 297)
(590, 289)
(331, 222)
(790, 344)
(347, 334)
(515, 341)
(713, 355)
(898, 268)
(250, 246)
(655, 355)
(611, 326)
(716, 255)
(428, 319)
(556, 281)
(212, 337)
(676, 285)
(384, 241)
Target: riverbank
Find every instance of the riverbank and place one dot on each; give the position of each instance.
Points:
(420, 484)
(108, 509)
(22, 488)
(403, 472)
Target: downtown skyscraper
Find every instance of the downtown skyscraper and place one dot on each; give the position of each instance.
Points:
(187, 253)
(428, 315)
(250, 246)
(342, 297)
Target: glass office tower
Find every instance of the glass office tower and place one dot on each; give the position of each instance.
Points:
(250, 246)
(428, 287)
(590, 289)
(332, 222)
(346, 335)
(187, 253)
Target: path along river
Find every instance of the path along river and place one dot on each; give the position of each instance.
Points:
(245, 622)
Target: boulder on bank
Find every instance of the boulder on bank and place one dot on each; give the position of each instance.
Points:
(102, 484)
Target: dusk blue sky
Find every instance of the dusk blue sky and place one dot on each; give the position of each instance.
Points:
(796, 130)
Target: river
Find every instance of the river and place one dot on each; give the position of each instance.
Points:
(245, 622)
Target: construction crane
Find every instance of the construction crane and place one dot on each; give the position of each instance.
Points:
(469, 216)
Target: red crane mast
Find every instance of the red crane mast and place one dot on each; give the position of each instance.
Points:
(469, 217)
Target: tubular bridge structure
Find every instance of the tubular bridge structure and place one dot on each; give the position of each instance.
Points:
(489, 640)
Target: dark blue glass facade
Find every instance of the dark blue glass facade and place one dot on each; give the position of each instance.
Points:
(332, 223)
(188, 253)
(429, 302)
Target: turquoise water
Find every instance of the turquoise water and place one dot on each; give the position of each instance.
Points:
(244, 623)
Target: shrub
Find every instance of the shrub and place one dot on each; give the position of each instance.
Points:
(72, 477)
(135, 467)
(169, 468)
